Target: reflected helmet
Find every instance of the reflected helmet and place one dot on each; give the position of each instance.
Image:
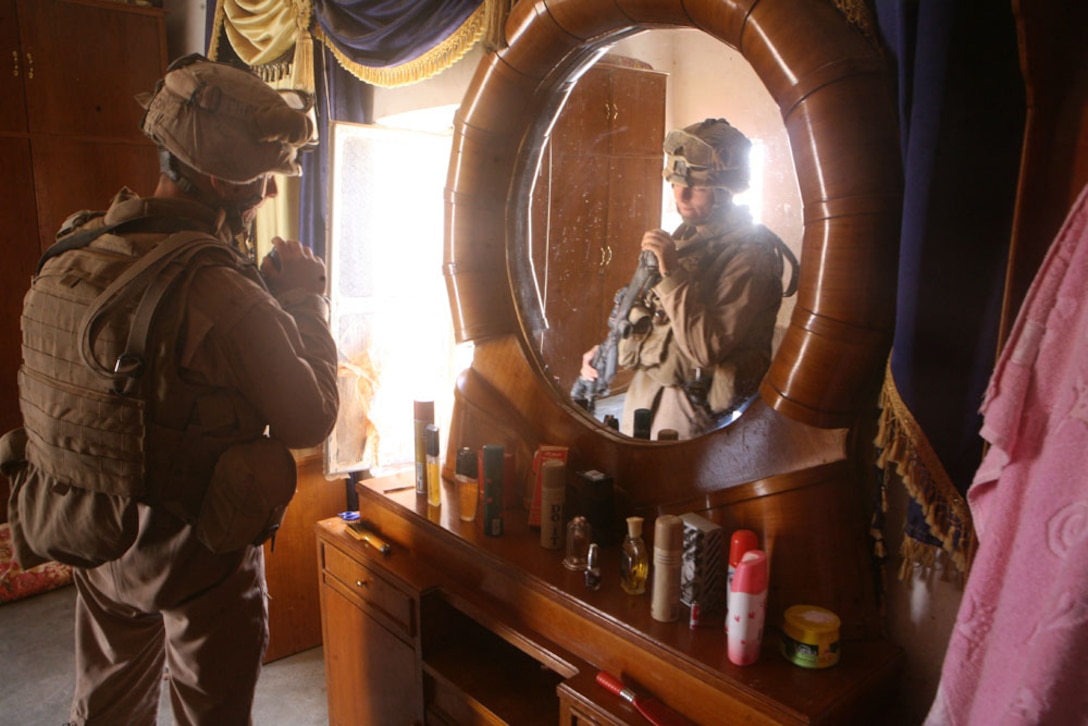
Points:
(225, 121)
(711, 153)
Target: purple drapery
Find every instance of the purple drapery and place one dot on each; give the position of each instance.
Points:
(382, 33)
(340, 97)
(962, 112)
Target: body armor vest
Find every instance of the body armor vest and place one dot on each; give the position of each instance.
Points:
(104, 404)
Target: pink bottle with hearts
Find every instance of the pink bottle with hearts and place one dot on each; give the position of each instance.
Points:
(747, 608)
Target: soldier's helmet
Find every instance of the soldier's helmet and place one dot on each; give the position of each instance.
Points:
(711, 153)
(227, 122)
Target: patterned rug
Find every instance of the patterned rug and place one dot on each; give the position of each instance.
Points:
(16, 583)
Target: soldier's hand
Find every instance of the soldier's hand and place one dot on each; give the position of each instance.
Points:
(663, 246)
(290, 266)
(588, 371)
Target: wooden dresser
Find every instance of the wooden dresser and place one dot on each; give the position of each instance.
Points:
(455, 627)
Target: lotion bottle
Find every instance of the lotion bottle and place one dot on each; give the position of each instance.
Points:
(668, 536)
(634, 559)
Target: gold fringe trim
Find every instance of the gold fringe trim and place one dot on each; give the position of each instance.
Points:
(217, 30)
(902, 443)
(860, 15)
(430, 64)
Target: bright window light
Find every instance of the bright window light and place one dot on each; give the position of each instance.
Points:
(390, 309)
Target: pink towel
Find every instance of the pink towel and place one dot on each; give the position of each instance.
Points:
(1019, 651)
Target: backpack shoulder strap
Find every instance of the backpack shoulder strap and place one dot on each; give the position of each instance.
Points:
(76, 240)
(151, 277)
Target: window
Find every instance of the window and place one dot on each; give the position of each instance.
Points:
(390, 309)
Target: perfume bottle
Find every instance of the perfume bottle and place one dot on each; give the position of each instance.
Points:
(468, 485)
(634, 559)
(579, 537)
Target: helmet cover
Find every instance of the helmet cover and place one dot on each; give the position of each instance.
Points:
(225, 121)
(711, 153)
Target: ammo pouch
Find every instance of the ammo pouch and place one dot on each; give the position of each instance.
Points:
(251, 486)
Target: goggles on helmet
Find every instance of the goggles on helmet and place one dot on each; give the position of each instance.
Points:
(688, 159)
(692, 161)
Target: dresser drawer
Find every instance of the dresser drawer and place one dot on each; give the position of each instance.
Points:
(369, 587)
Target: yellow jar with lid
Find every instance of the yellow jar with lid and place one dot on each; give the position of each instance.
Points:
(810, 636)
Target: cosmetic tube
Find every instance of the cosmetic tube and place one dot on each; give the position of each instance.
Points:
(553, 485)
(434, 477)
(424, 414)
(494, 468)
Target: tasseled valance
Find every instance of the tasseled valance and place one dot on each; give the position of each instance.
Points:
(382, 42)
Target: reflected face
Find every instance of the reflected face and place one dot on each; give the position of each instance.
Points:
(695, 205)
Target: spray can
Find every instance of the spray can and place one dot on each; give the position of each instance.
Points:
(747, 608)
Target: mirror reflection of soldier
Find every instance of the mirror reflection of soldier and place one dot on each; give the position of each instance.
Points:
(260, 355)
(701, 339)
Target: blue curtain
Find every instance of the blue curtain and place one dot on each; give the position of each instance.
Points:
(340, 97)
(381, 33)
(962, 112)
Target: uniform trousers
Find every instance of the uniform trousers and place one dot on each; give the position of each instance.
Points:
(208, 645)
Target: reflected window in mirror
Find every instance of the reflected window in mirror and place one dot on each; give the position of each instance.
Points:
(598, 187)
(390, 313)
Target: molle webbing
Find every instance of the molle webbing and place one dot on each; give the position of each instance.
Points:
(86, 423)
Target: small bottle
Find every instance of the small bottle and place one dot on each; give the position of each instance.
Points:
(434, 478)
(644, 419)
(668, 537)
(634, 559)
(553, 485)
(593, 568)
(468, 485)
(579, 535)
(424, 414)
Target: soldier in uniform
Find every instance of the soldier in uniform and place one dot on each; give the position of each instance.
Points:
(701, 339)
(258, 355)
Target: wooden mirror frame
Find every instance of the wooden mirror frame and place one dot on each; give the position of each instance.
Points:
(833, 90)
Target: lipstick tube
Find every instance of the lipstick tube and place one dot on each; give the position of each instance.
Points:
(747, 608)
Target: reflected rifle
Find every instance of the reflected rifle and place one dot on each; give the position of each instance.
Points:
(585, 392)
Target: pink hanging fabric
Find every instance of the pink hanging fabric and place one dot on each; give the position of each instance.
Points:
(1017, 652)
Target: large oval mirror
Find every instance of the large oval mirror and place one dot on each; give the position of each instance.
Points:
(591, 184)
(831, 91)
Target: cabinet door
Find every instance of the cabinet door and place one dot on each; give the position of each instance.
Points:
(12, 71)
(371, 675)
(20, 258)
(71, 174)
(85, 63)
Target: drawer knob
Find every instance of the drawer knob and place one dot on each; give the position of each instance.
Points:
(362, 583)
